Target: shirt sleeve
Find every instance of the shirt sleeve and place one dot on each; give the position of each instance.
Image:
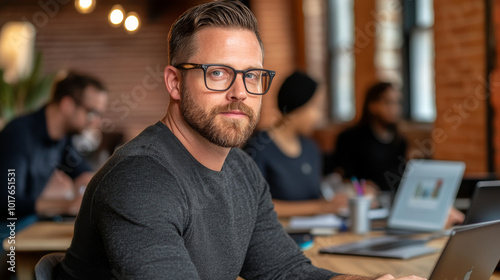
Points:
(139, 212)
(15, 155)
(272, 254)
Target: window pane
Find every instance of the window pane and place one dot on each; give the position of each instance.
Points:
(424, 13)
(423, 106)
(341, 16)
(343, 79)
(389, 41)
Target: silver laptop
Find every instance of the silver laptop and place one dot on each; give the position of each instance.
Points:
(485, 203)
(472, 252)
(425, 195)
(422, 203)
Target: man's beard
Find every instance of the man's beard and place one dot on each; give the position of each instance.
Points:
(71, 130)
(215, 128)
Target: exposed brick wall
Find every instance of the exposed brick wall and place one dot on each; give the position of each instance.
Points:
(275, 21)
(365, 73)
(459, 131)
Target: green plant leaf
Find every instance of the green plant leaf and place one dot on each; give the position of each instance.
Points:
(27, 94)
(7, 102)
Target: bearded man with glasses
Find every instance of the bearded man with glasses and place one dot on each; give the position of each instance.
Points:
(180, 201)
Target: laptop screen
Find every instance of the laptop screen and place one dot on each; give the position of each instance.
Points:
(472, 252)
(427, 191)
(485, 204)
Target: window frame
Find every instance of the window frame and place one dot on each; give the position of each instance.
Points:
(410, 27)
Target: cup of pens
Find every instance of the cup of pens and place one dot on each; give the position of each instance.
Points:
(359, 207)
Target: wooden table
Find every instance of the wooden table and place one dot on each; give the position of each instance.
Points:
(369, 266)
(37, 240)
(44, 237)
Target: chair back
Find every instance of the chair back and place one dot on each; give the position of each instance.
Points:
(45, 266)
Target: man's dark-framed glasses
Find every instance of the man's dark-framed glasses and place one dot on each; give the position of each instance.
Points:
(91, 113)
(220, 77)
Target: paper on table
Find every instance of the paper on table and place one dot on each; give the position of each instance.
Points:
(373, 214)
(329, 220)
(380, 213)
(318, 221)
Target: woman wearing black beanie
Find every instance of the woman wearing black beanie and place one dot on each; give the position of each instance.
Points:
(288, 159)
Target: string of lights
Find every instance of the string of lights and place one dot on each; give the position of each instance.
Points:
(116, 16)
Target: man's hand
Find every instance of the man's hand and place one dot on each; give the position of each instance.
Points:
(339, 201)
(384, 277)
(62, 196)
(82, 180)
(389, 277)
(455, 217)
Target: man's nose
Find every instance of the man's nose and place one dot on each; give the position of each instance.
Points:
(237, 91)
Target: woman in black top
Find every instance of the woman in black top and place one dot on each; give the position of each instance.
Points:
(374, 149)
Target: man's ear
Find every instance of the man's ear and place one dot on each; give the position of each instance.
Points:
(67, 105)
(172, 82)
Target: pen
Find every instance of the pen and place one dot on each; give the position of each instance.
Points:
(363, 186)
(357, 186)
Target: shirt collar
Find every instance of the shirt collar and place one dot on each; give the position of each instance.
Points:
(41, 125)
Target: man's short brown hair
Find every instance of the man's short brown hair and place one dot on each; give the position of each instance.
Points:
(225, 13)
(73, 85)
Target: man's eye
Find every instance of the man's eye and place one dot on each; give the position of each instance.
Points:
(218, 73)
(251, 75)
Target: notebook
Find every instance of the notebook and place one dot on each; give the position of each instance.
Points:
(472, 252)
(485, 203)
(422, 203)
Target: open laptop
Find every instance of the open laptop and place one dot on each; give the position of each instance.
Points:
(422, 203)
(472, 252)
(485, 203)
(425, 195)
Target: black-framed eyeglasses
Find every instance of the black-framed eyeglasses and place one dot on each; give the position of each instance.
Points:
(91, 113)
(220, 77)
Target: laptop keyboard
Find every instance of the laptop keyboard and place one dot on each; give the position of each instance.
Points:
(396, 244)
(386, 246)
(379, 244)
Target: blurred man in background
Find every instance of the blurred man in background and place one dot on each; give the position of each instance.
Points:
(33, 146)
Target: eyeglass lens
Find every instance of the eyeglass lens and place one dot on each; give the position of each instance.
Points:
(221, 78)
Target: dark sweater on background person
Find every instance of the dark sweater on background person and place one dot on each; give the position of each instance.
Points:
(154, 212)
(359, 153)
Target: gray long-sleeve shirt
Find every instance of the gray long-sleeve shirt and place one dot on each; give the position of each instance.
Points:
(155, 212)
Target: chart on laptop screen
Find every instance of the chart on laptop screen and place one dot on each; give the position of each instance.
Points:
(427, 193)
